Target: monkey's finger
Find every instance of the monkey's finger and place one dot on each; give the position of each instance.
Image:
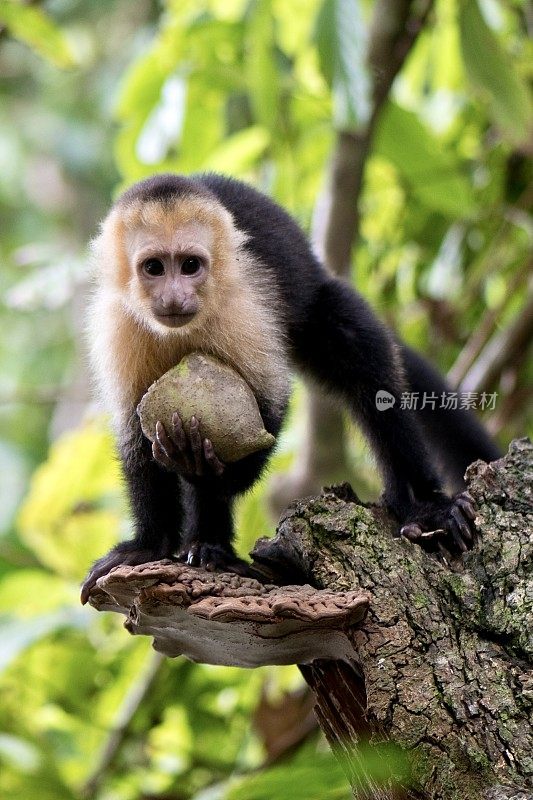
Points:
(166, 454)
(211, 458)
(163, 441)
(457, 538)
(90, 581)
(179, 437)
(193, 555)
(468, 497)
(466, 506)
(178, 433)
(462, 525)
(411, 532)
(88, 584)
(161, 457)
(196, 446)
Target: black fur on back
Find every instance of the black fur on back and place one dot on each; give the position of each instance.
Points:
(276, 241)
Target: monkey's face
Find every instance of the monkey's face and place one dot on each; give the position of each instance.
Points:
(170, 267)
(173, 265)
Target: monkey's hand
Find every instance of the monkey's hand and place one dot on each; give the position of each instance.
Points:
(190, 456)
(444, 524)
(125, 553)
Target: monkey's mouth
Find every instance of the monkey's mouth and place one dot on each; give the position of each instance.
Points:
(175, 320)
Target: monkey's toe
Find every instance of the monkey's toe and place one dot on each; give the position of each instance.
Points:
(466, 503)
(213, 557)
(413, 532)
(445, 524)
(125, 553)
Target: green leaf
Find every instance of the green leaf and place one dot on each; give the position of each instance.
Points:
(141, 87)
(433, 174)
(33, 592)
(320, 779)
(31, 26)
(238, 152)
(260, 62)
(68, 522)
(17, 636)
(491, 71)
(341, 39)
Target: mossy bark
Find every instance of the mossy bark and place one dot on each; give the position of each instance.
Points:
(444, 657)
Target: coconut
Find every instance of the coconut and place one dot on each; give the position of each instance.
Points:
(217, 396)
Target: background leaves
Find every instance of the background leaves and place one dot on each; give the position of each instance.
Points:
(97, 94)
(493, 75)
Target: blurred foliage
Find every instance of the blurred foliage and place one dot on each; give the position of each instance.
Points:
(66, 523)
(98, 94)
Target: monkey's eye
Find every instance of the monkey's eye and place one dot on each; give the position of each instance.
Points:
(191, 265)
(154, 267)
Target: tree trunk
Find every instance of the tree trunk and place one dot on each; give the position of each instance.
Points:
(442, 664)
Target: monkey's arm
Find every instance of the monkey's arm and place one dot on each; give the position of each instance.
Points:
(208, 489)
(346, 348)
(455, 434)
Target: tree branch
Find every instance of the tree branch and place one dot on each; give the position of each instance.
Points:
(486, 327)
(502, 350)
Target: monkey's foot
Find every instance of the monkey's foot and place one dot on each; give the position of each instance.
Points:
(189, 455)
(125, 553)
(213, 557)
(445, 524)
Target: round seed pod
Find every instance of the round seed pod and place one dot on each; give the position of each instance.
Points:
(217, 396)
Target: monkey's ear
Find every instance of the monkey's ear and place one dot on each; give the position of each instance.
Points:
(237, 237)
(97, 246)
(108, 259)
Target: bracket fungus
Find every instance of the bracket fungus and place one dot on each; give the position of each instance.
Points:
(223, 618)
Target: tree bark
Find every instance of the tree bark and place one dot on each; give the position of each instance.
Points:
(442, 664)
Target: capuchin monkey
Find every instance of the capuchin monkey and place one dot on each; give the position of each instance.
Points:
(206, 263)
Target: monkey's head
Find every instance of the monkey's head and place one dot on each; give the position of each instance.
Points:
(164, 247)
